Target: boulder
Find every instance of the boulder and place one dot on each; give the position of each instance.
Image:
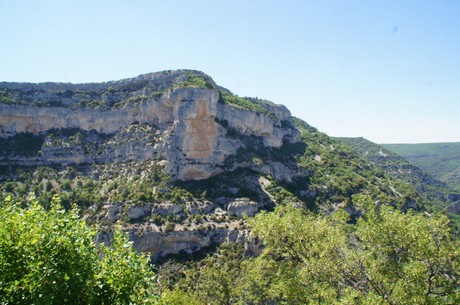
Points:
(137, 212)
(242, 206)
(165, 209)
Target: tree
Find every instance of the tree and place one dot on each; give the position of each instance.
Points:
(213, 281)
(50, 257)
(177, 297)
(388, 257)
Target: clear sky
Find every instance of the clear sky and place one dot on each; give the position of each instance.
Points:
(387, 70)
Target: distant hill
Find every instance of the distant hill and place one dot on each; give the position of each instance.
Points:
(398, 167)
(441, 160)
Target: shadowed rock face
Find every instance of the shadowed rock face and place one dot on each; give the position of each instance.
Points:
(186, 128)
(160, 244)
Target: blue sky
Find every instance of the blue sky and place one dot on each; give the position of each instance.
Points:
(385, 70)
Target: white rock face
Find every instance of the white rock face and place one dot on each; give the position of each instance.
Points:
(198, 143)
(165, 209)
(190, 135)
(137, 212)
(15, 119)
(242, 207)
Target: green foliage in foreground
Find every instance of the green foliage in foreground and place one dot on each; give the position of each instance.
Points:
(50, 257)
(387, 257)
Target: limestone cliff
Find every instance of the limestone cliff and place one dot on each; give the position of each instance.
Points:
(190, 126)
(129, 150)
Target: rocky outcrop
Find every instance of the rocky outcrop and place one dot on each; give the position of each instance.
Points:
(158, 241)
(161, 244)
(199, 144)
(253, 123)
(17, 118)
(167, 208)
(241, 207)
(144, 118)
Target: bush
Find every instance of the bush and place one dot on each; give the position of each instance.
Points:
(51, 258)
(231, 99)
(170, 226)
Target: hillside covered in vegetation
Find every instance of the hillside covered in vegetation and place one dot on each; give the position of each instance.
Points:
(441, 160)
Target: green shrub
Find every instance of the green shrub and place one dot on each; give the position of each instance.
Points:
(50, 257)
(194, 80)
(234, 100)
(170, 226)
